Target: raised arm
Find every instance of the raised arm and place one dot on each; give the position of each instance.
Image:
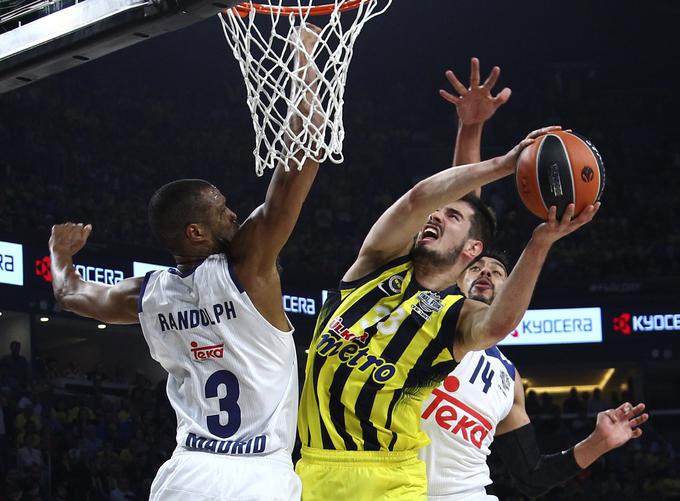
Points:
(112, 304)
(537, 473)
(263, 235)
(392, 235)
(474, 106)
(481, 326)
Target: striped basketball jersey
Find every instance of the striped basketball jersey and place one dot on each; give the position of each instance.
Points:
(232, 376)
(380, 345)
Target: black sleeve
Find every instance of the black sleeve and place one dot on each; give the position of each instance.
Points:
(535, 473)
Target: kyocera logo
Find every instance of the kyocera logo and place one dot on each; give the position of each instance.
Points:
(625, 323)
(88, 273)
(554, 325)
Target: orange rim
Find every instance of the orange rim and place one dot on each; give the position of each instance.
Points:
(244, 9)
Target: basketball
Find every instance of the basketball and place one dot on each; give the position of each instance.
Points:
(559, 168)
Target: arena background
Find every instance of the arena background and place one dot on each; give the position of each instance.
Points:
(91, 144)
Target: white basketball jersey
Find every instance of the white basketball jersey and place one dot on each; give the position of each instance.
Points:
(460, 418)
(232, 376)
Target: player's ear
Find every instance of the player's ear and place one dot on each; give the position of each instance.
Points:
(473, 248)
(195, 233)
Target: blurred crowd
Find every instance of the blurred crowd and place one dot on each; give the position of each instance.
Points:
(70, 433)
(100, 168)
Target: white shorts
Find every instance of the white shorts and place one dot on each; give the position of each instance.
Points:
(472, 495)
(203, 476)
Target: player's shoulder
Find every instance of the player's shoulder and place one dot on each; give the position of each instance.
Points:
(495, 353)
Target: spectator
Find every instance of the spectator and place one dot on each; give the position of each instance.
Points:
(16, 364)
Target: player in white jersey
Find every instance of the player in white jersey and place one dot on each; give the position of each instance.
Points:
(217, 326)
(483, 397)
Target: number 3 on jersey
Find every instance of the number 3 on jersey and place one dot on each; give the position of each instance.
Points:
(487, 373)
(228, 403)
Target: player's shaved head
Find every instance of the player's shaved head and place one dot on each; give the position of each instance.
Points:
(176, 205)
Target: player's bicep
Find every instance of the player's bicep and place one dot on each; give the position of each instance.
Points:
(390, 237)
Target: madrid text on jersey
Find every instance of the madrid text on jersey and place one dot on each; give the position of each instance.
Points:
(192, 318)
(255, 445)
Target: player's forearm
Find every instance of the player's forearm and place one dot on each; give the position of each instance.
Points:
(535, 473)
(513, 299)
(455, 182)
(589, 450)
(70, 290)
(468, 144)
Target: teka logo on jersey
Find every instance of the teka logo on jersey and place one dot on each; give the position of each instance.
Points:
(88, 273)
(453, 415)
(206, 352)
(11, 263)
(626, 323)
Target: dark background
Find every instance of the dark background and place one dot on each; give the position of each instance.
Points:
(93, 143)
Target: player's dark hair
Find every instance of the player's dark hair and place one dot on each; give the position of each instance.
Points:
(500, 256)
(174, 206)
(483, 222)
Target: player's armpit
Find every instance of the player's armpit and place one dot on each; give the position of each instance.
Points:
(111, 304)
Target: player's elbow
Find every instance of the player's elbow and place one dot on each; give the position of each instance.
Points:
(416, 197)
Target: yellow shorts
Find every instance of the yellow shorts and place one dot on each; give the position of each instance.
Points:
(361, 475)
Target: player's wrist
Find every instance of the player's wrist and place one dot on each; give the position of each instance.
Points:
(590, 449)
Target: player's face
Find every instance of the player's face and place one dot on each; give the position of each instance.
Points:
(484, 279)
(223, 221)
(445, 233)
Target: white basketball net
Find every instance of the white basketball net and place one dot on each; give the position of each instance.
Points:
(265, 46)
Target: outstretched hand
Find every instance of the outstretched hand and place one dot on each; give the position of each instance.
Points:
(475, 104)
(68, 238)
(617, 426)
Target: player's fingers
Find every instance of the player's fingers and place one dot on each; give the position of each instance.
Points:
(636, 410)
(552, 214)
(567, 216)
(624, 408)
(544, 130)
(492, 78)
(634, 423)
(636, 433)
(502, 96)
(449, 97)
(586, 215)
(525, 142)
(611, 415)
(88, 229)
(474, 72)
(453, 80)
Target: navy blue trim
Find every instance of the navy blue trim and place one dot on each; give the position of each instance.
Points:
(142, 290)
(175, 271)
(374, 274)
(234, 278)
(496, 353)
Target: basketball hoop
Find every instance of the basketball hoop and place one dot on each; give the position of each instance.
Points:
(262, 37)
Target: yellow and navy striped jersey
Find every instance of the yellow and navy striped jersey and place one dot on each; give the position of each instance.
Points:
(380, 345)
